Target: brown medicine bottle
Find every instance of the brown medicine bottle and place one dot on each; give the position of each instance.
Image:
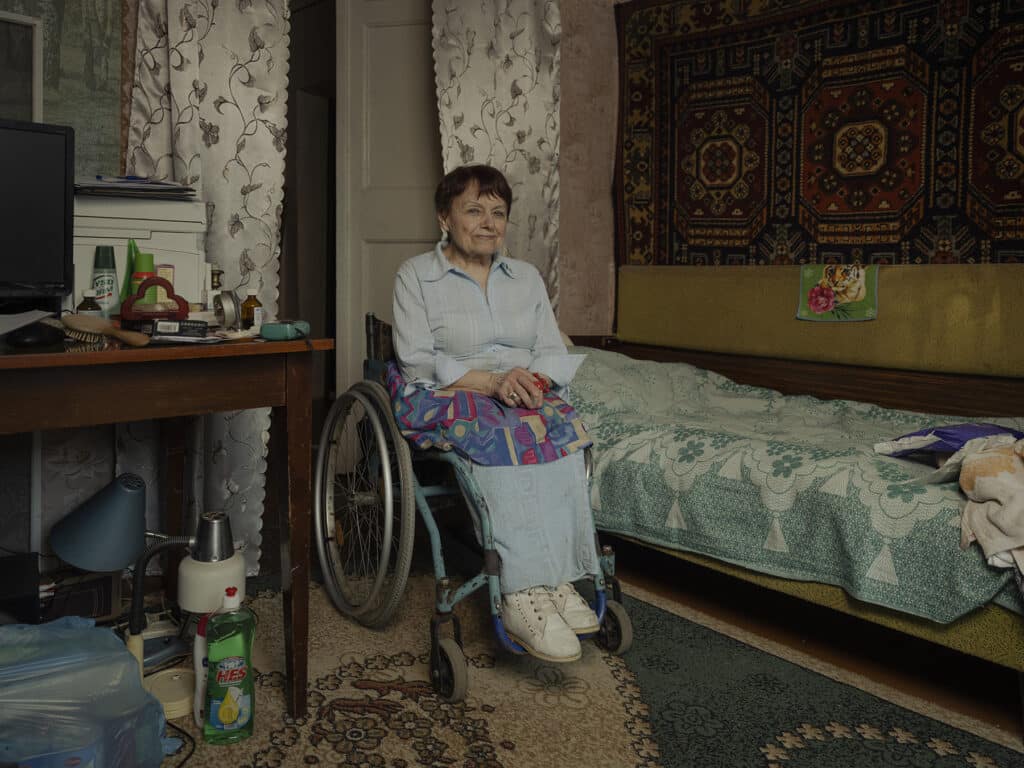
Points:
(252, 310)
(89, 305)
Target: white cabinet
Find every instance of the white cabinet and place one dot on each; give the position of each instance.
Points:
(172, 230)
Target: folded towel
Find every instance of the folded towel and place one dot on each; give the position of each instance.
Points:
(993, 481)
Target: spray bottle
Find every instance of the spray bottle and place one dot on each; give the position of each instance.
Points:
(230, 696)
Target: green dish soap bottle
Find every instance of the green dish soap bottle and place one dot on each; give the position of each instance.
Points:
(230, 692)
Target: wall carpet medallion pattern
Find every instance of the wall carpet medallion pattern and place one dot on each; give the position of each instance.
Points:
(795, 131)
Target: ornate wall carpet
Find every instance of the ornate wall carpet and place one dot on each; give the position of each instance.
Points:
(790, 132)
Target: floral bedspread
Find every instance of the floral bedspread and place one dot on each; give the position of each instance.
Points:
(790, 486)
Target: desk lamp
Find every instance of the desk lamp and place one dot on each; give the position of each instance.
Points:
(108, 532)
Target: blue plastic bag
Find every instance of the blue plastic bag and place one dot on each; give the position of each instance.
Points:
(70, 694)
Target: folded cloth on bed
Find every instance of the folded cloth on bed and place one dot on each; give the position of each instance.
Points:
(482, 429)
(946, 439)
(992, 478)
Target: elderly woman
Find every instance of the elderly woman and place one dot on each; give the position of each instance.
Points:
(471, 321)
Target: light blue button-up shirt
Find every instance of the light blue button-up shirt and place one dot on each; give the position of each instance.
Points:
(445, 326)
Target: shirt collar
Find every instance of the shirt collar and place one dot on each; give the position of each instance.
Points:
(440, 266)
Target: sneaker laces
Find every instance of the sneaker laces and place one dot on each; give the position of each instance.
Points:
(566, 594)
(542, 600)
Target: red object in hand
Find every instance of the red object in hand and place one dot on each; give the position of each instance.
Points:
(542, 384)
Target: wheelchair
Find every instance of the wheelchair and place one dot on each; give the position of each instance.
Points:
(365, 496)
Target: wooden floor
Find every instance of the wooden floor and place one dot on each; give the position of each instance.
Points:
(968, 686)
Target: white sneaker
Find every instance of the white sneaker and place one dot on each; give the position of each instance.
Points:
(574, 609)
(531, 619)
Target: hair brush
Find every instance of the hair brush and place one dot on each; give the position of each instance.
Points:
(91, 329)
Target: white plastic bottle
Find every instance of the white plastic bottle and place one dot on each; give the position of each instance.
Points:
(199, 664)
(104, 280)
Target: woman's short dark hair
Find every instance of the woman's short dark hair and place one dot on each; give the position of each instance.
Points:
(489, 181)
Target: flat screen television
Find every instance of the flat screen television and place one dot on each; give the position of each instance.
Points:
(37, 201)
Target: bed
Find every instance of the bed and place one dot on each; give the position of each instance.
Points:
(763, 468)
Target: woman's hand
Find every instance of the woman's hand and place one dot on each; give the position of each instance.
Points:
(518, 388)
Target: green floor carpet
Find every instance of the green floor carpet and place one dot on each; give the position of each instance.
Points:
(714, 701)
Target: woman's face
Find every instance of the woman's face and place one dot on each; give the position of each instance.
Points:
(475, 225)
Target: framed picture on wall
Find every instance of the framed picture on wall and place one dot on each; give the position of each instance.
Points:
(21, 67)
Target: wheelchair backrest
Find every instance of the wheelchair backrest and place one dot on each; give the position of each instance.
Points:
(379, 348)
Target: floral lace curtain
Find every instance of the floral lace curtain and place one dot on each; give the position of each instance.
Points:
(497, 66)
(208, 109)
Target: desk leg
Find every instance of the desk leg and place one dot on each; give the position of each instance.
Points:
(293, 425)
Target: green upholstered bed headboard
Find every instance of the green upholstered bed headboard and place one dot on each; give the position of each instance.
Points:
(957, 318)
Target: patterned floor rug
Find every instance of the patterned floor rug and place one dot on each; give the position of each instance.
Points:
(686, 695)
(371, 705)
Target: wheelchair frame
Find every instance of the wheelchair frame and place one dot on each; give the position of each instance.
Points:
(392, 456)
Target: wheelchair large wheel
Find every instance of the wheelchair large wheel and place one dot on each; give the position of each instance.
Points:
(357, 516)
(403, 529)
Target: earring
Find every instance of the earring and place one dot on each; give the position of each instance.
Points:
(444, 234)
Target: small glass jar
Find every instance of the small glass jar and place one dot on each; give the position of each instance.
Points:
(89, 305)
(252, 310)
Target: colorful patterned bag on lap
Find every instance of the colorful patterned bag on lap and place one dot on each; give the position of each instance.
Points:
(484, 430)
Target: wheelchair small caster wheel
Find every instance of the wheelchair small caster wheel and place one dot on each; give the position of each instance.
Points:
(616, 632)
(451, 676)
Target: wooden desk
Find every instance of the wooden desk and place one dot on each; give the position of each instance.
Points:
(74, 389)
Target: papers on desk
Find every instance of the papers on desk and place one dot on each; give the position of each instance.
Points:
(211, 338)
(10, 323)
(164, 339)
(134, 186)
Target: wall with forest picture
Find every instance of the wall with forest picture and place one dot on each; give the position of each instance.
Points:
(81, 88)
(81, 74)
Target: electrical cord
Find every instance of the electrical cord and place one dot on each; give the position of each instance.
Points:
(303, 336)
(137, 616)
(187, 737)
(306, 338)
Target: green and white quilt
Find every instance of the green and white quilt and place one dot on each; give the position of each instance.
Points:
(785, 485)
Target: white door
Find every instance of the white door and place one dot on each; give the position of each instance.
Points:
(389, 160)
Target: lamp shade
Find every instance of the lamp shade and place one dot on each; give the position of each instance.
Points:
(108, 531)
